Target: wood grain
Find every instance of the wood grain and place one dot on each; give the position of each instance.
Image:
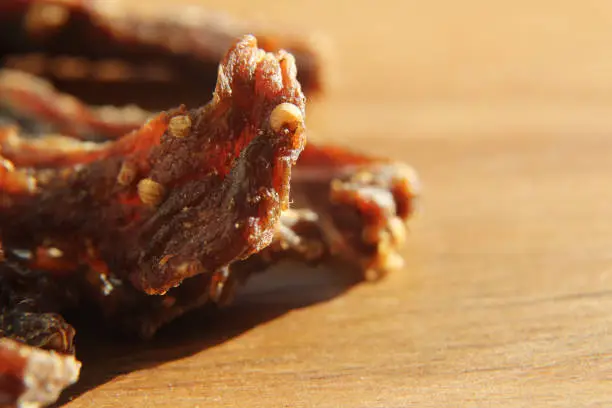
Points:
(505, 109)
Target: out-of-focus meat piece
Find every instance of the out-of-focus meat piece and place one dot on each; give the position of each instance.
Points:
(111, 51)
(31, 377)
(39, 109)
(31, 302)
(360, 204)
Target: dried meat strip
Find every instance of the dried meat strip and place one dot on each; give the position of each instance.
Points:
(365, 231)
(31, 377)
(361, 204)
(186, 207)
(32, 105)
(109, 51)
(31, 302)
(345, 205)
(188, 193)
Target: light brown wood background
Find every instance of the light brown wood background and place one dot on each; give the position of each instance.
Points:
(505, 109)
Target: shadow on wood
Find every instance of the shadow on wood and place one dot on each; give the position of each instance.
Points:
(264, 298)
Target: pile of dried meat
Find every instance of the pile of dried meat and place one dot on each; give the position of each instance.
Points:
(142, 214)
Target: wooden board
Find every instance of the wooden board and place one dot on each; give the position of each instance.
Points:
(505, 109)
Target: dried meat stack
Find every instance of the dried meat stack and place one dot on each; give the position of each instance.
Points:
(146, 215)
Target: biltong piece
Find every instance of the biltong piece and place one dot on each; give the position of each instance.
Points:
(107, 51)
(31, 377)
(188, 193)
(147, 222)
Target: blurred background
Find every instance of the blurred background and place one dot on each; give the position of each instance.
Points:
(441, 66)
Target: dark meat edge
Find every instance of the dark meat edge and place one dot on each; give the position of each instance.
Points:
(184, 54)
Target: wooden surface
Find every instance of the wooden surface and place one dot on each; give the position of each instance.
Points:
(505, 109)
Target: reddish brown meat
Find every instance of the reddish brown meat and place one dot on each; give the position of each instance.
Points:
(31, 377)
(35, 108)
(188, 193)
(112, 51)
(147, 222)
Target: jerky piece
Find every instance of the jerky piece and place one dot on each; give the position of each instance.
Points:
(38, 109)
(346, 206)
(31, 377)
(188, 193)
(359, 204)
(31, 302)
(108, 52)
(318, 229)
